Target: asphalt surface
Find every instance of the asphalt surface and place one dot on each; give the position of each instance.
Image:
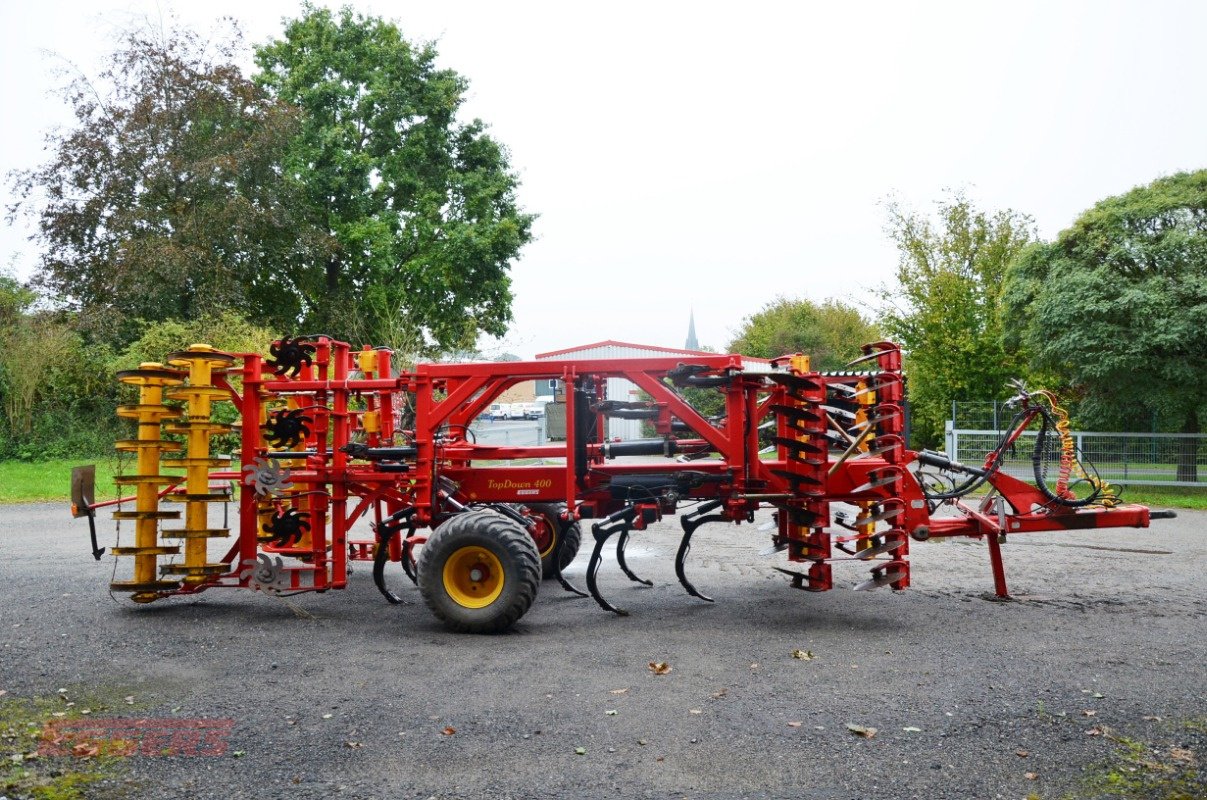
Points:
(342, 695)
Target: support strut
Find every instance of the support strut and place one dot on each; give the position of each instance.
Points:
(690, 522)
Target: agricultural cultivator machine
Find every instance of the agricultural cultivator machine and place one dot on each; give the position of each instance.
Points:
(329, 435)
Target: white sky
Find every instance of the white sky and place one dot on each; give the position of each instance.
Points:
(715, 155)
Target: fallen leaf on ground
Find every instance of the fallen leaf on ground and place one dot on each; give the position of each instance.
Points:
(353, 745)
(620, 691)
(449, 731)
(911, 729)
(660, 667)
(3, 692)
(717, 695)
(754, 665)
(611, 712)
(1030, 775)
(803, 655)
(328, 716)
(85, 749)
(1151, 718)
(861, 730)
(580, 751)
(1181, 754)
(793, 724)
(1097, 696)
(1093, 732)
(1021, 753)
(1088, 713)
(129, 700)
(695, 711)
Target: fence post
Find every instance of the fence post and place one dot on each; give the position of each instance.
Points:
(951, 440)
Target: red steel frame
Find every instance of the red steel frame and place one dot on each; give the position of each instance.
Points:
(804, 475)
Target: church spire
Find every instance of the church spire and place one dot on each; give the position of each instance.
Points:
(691, 344)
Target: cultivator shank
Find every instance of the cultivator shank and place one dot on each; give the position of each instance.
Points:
(329, 436)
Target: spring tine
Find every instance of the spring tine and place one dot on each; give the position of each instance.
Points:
(557, 561)
(620, 546)
(601, 536)
(690, 523)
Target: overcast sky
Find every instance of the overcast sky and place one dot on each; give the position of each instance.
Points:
(713, 156)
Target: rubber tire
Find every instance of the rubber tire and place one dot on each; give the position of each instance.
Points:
(574, 535)
(517, 554)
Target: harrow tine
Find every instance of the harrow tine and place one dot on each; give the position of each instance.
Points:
(795, 382)
(882, 576)
(621, 543)
(888, 513)
(881, 549)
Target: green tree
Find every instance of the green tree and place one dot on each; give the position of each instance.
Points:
(830, 333)
(944, 307)
(1117, 305)
(417, 209)
(33, 344)
(164, 200)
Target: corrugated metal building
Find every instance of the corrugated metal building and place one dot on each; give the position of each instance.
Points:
(619, 388)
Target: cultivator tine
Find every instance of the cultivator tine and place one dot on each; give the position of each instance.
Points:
(621, 543)
(557, 560)
(690, 522)
(618, 522)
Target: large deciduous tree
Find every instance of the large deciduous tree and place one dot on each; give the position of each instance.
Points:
(1117, 305)
(830, 333)
(418, 209)
(944, 307)
(163, 200)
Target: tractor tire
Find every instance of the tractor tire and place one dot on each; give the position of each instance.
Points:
(549, 514)
(479, 572)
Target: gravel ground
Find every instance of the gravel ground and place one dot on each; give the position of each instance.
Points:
(341, 695)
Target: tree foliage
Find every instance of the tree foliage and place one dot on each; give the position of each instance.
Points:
(830, 333)
(944, 307)
(1117, 305)
(417, 209)
(164, 200)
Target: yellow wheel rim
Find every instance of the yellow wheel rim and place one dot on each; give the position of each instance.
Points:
(473, 577)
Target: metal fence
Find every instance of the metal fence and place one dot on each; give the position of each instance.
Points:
(1152, 459)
